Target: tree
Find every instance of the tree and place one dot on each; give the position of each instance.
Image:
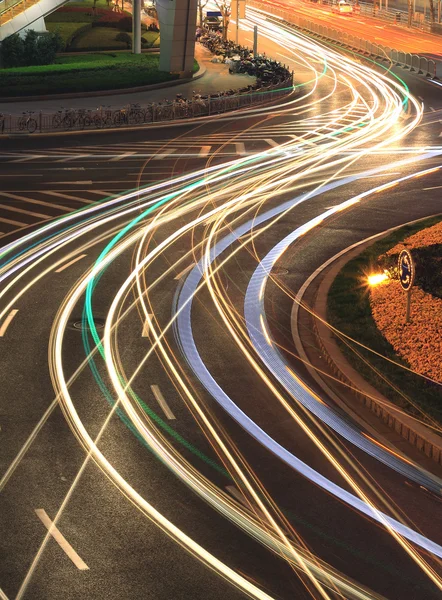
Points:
(432, 12)
(34, 49)
(30, 54)
(12, 50)
(224, 7)
(201, 6)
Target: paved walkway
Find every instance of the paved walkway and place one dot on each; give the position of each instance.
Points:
(216, 79)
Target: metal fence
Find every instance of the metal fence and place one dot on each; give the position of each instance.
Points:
(133, 115)
(413, 62)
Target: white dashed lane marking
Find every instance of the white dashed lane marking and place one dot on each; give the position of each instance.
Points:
(162, 402)
(60, 539)
(74, 260)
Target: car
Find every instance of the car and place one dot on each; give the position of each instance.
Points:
(213, 23)
(342, 7)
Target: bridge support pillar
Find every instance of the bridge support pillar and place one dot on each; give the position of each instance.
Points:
(177, 20)
(136, 27)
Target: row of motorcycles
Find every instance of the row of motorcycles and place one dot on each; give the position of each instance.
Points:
(242, 60)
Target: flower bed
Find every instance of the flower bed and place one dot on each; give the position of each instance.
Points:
(418, 342)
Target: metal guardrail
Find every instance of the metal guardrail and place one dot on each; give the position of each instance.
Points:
(419, 64)
(419, 20)
(103, 118)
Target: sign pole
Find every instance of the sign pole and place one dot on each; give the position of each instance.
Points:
(407, 312)
(255, 41)
(406, 278)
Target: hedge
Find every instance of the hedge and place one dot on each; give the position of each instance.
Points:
(94, 72)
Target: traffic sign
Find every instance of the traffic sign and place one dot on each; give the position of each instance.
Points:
(406, 270)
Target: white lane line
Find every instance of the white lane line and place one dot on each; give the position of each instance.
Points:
(421, 99)
(88, 182)
(60, 539)
(271, 143)
(234, 491)
(146, 326)
(122, 156)
(3, 596)
(74, 157)
(184, 271)
(7, 321)
(165, 154)
(24, 212)
(32, 201)
(240, 148)
(432, 109)
(162, 402)
(204, 151)
(69, 197)
(284, 56)
(33, 157)
(101, 193)
(74, 260)
(12, 222)
(437, 187)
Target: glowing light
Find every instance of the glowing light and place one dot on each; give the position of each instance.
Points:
(377, 278)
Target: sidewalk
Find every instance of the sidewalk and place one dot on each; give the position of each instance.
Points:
(216, 78)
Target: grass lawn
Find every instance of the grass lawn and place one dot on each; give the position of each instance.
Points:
(103, 38)
(349, 311)
(63, 28)
(84, 73)
(98, 38)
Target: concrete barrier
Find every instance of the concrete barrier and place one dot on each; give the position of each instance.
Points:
(431, 66)
(414, 62)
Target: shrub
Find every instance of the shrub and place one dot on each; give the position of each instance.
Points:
(35, 49)
(12, 51)
(125, 24)
(124, 37)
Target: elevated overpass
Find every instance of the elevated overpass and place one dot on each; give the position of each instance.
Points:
(16, 15)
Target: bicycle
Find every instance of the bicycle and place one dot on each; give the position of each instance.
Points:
(27, 121)
(84, 118)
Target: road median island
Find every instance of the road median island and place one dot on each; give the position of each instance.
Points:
(401, 361)
(84, 73)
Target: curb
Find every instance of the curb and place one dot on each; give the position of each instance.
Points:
(144, 88)
(405, 426)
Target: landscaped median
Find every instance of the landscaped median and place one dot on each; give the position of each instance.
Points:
(84, 73)
(403, 355)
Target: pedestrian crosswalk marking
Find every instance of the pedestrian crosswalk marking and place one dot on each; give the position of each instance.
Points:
(33, 201)
(12, 222)
(69, 197)
(23, 211)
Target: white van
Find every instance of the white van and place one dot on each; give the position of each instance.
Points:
(342, 7)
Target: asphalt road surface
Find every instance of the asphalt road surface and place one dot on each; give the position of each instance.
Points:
(134, 421)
